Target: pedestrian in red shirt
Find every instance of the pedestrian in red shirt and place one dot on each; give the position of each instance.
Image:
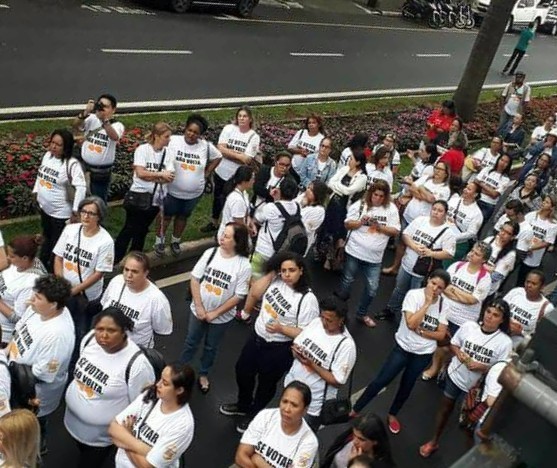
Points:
(454, 157)
(439, 122)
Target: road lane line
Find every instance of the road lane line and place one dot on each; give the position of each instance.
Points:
(3, 5)
(508, 55)
(316, 54)
(270, 100)
(147, 51)
(362, 8)
(432, 55)
(345, 25)
(172, 280)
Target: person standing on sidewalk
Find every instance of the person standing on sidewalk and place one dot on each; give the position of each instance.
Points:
(524, 40)
(514, 100)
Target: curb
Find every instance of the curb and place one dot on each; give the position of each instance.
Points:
(190, 249)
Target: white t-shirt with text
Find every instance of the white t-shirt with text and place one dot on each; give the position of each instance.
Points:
(246, 143)
(98, 149)
(302, 139)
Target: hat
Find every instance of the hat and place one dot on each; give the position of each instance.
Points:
(520, 73)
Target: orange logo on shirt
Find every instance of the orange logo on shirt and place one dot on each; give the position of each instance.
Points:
(213, 289)
(53, 366)
(13, 352)
(188, 167)
(272, 312)
(70, 266)
(47, 185)
(170, 452)
(87, 391)
(95, 148)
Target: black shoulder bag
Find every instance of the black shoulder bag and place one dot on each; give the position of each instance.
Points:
(142, 201)
(336, 410)
(425, 265)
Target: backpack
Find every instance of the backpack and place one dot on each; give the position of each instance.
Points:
(293, 236)
(22, 385)
(482, 272)
(155, 358)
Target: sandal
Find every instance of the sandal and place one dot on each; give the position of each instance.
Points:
(427, 377)
(367, 321)
(203, 383)
(428, 449)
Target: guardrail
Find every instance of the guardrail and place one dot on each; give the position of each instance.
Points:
(55, 110)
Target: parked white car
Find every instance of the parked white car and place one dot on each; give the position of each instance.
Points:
(543, 13)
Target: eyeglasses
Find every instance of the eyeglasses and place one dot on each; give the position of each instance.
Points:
(440, 168)
(88, 213)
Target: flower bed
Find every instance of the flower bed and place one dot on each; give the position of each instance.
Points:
(20, 156)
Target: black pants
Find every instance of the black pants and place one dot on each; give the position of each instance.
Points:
(266, 362)
(135, 230)
(52, 230)
(93, 457)
(218, 196)
(516, 57)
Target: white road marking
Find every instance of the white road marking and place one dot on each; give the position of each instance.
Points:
(362, 8)
(272, 100)
(295, 5)
(508, 55)
(172, 280)
(432, 55)
(316, 54)
(345, 25)
(147, 51)
(117, 9)
(274, 3)
(3, 5)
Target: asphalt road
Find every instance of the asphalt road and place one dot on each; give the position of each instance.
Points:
(63, 52)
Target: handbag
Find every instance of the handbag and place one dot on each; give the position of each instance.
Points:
(70, 189)
(425, 265)
(336, 410)
(89, 308)
(142, 201)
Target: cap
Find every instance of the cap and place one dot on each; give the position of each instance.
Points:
(520, 73)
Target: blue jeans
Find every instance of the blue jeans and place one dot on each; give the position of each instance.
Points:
(404, 282)
(213, 333)
(100, 189)
(397, 361)
(371, 271)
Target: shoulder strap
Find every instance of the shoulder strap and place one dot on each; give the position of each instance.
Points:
(211, 257)
(138, 353)
(300, 305)
(459, 265)
(159, 169)
(437, 238)
(250, 137)
(331, 367)
(122, 292)
(144, 420)
(88, 340)
(440, 304)
(77, 257)
(542, 309)
(283, 211)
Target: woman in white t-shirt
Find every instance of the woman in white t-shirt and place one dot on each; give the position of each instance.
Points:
(110, 373)
(367, 437)
(19, 439)
(379, 169)
(17, 281)
(482, 159)
(237, 206)
(280, 437)
(493, 182)
(219, 282)
(153, 167)
(423, 160)
(239, 145)
(288, 305)
(58, 174)
(306, 141)
(503, 254)
(44, 340)
(194, 161)
(424, 192)
(370, 222)
(313, 202)
(528, 306)
(470, 286)
(388, 141)
(357, 144)
(324, 356)
(423, 323)
(157, 427)
(544, 227)
(83, 254)
(140, 300)
(476, 347)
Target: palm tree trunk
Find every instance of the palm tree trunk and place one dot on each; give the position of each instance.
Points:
(480, 59)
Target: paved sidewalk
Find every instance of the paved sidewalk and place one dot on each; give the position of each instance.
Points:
(389, 7)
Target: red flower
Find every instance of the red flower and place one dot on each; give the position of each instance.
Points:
(9, 158)
(24, 157)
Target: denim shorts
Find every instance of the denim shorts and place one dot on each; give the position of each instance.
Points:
(451, 390)
(178, 207)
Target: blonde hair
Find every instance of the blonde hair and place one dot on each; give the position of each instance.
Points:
(157, 129)
(20, 436)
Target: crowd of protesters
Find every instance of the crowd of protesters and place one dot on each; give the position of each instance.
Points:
(85, 344)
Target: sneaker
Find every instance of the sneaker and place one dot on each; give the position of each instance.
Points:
(209, 227)
(394, 425)
(243, 425)
(160, 250)
(175, 248)
(231, 409)
(385, 314)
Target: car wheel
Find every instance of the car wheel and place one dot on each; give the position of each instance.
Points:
(554, 29)
(245, 7)
(180, 6)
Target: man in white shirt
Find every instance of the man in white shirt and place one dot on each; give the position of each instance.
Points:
(514, 99)
(98, 149)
